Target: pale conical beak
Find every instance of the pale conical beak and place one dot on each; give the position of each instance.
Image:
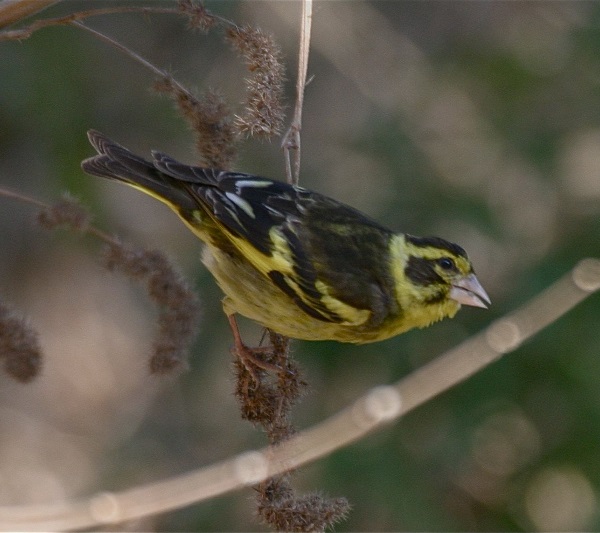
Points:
(468, 291)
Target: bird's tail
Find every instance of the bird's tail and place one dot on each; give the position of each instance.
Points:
(116, 162)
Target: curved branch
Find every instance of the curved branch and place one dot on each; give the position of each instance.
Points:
(378, 407)
(12, 11)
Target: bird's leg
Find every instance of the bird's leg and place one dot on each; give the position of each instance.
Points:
(246, 355)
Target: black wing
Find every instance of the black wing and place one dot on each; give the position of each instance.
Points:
(329, 246)
(329, 242)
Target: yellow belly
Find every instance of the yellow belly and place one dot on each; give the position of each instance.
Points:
(252, 295)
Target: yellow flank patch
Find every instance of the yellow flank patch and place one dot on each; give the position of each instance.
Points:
(281, 253)
(280, 258)
(282, 261)
(351, 315)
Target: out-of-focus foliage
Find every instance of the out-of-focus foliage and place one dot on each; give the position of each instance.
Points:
(475, 121)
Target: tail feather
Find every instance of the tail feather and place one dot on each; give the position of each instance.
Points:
(117, 162)
(207, 177)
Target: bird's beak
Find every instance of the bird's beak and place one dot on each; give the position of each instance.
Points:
(468, 291)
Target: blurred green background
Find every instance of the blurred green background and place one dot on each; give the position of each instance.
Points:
(475, 121)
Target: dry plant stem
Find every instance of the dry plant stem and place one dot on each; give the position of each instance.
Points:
(7, 193)
(177, 304)
(263, 401)
(291, 140)
(135, 56)
(12, 11)
(377, 408)
(206, 116)
(26, 32)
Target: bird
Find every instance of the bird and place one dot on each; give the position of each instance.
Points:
(296, 261)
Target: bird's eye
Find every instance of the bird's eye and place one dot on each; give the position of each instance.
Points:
(446, 263)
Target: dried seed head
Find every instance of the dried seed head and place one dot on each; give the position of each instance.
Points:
(264, 114)
(210, 119)
(279, 507)
(67, 212)
(198, 16)
(19, 345)
(178, 306)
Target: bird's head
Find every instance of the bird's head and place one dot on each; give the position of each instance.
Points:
(438, 277)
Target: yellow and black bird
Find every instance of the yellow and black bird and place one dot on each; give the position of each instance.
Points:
(297, 262)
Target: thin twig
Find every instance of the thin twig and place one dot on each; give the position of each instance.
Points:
(291, 140)
(26, 32)
(12, 11)
(7, 193)
(377, 408)
(178, 305)
(92, 230)
(12, 15)
(134, 55)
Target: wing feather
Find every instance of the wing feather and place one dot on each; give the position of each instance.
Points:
(316, 250)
